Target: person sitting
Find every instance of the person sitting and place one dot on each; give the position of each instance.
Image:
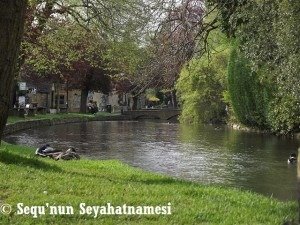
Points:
(45, 150)
(92, 107)
(292, 159)
(67, 155)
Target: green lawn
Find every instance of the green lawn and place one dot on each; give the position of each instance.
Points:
(35, 181)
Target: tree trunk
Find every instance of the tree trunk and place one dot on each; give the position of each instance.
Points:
(11, 30)
(298, 183)
(174, 99)
(57, 88)
(13, 95)
(83, 100)
(135, 102)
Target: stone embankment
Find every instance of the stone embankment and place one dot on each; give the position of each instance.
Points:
(23, 125)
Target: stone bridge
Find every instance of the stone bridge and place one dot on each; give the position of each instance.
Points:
(163, 114)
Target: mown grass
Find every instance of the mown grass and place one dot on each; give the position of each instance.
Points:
(37, 181)
(15, 119)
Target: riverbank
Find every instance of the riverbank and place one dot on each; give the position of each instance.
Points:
(41, 181)
(241, 127)
(15, 124)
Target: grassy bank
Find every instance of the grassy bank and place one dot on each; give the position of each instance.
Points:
(38, 181)
(15, 119)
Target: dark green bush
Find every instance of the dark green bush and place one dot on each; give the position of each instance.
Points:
(248, 96)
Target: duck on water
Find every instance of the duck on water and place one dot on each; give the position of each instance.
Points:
(292, 158)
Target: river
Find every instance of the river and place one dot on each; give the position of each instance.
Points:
(205, 154)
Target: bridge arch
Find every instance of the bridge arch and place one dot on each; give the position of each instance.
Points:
(173, 116)
(146, 117)
(163, 114)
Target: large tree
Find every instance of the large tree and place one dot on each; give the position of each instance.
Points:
(268, 33)
(171, 45)
(68, 53)
(11, 29)
(201, 86)
(119, 25)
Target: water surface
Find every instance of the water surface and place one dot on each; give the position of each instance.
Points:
(256, 162)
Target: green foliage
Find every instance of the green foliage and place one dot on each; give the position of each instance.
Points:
(125, 56)
(283, 115)
(228, 14)
(248, 97)
(201, 85)
(151, 93)
(64, 48)
(269, 38)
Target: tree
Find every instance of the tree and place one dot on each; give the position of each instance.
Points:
(202, 84)
(270, 41)
(268, 34)
(284, 69)
(248, 97)
(119, 25)
(70, 54)
(173, 44)
(11, 29)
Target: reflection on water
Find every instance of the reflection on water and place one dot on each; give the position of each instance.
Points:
(249, 161)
